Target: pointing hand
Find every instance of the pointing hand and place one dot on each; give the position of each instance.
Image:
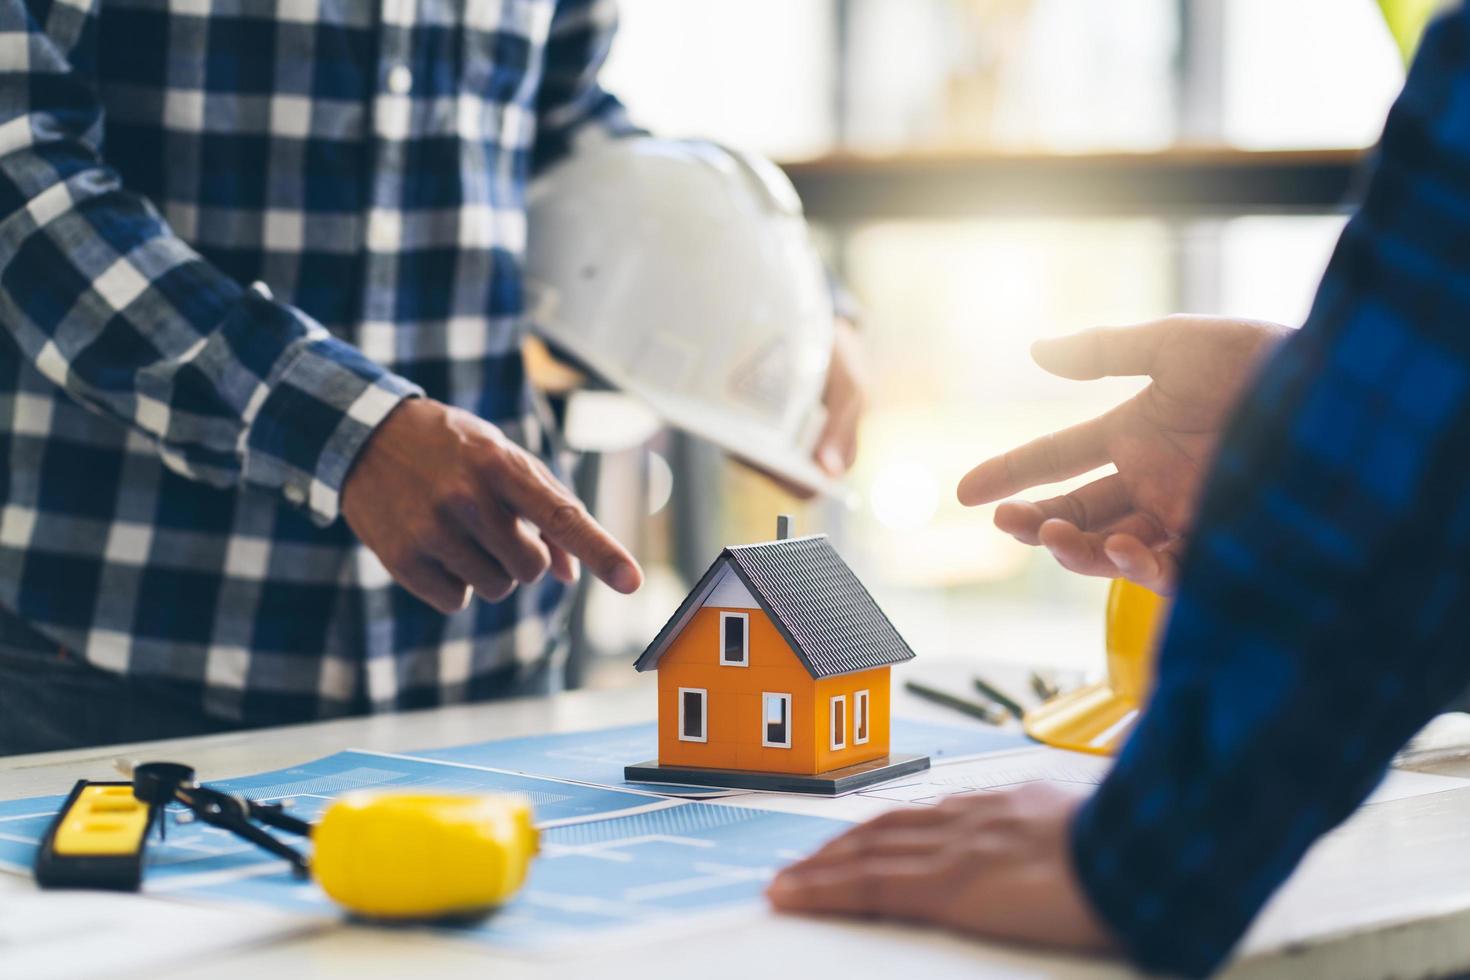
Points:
(450, 505)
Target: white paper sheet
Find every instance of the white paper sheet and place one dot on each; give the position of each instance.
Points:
(1010, 769)
(62, 935)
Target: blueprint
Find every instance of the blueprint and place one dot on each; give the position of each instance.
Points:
(612, 858)
(615, 862)
(307, 789)
(602, 877)
(590, 757)
(599, 756)
(615, 857)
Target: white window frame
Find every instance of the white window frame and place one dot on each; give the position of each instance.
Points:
(838, 732)
(765, 728)
(860, 721)
(703, 714)
(745, 637)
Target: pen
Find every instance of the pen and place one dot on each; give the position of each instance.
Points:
(1045, 689)
(974, 709)
(998, 696)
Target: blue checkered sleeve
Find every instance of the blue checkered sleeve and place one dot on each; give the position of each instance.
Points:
(109, 304)
(1325, 600)
(571, 104)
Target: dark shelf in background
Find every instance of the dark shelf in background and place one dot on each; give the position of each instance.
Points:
(1192, 182)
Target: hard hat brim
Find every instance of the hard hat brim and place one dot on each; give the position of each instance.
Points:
(1093, 719)
(751, 445)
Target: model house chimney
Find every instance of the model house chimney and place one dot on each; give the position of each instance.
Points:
(783, 527)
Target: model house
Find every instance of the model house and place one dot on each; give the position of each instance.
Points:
(776, 663)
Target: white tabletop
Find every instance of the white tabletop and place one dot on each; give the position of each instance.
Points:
(1388, 894)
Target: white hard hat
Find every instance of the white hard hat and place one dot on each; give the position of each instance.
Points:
(683, 273)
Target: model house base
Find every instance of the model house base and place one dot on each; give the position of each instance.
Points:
(834, 782)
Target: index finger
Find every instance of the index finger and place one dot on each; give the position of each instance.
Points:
(530, 489)
(894, 821)
(1091, 507)
(898, 887)
(1051, 458)
(1104, 351)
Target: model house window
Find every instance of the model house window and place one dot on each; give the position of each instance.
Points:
(776, 721)
(734, 639)
(839, 722)
(860, 718)
(693, 718)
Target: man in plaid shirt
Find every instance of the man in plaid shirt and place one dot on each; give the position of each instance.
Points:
(1323, 602)
(259, 279)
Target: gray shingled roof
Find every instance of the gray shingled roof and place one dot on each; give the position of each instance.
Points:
(829, 618)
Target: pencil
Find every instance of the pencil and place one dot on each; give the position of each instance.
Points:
(985, 713)
(1045, 689)
(998, 696)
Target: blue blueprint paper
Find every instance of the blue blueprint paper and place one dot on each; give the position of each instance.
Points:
(635, 871)
(938, 740)
(599, 756)
(612, 858)
(630, 869)
(596, 756)
(195, 847)
(22, 824)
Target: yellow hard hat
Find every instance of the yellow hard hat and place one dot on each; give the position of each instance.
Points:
(1099, 717)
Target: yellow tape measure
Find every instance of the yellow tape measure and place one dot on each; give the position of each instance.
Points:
(392, 855)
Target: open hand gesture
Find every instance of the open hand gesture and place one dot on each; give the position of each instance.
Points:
(1131, 523)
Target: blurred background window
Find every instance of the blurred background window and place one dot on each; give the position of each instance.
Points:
(1306, 73)
(801, 79)
(982, 173)
(760, 74)
(1062, 74)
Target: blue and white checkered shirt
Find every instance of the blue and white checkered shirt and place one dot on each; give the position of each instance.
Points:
(234, 234)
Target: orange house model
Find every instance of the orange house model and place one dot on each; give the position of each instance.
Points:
(773, 674)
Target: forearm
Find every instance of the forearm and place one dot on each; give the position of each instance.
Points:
(106, 302)
(1300, 655)
(1324, 601)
